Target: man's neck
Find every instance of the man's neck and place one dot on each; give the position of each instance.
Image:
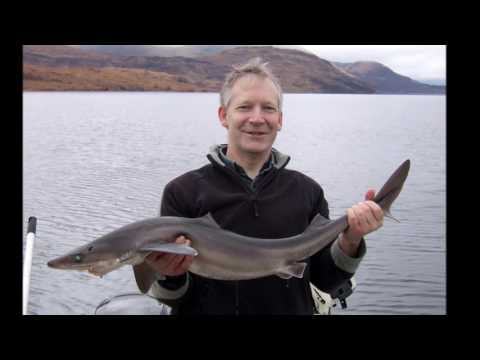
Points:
(252, 163)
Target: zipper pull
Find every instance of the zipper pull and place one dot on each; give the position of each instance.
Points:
(255, 207)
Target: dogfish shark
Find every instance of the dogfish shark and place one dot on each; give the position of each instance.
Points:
(219, 254)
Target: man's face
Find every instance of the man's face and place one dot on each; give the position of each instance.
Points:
(252, 117)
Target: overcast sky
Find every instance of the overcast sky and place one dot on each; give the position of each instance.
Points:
(420, 62)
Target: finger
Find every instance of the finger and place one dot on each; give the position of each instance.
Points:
(173, 261)
(175, 264)
(158, 262)
(376, 210)
(371, 222)
(370, 194)
(155, 256)
(363, 222)
(185, 264)
(180, 239)
(352, 218)
(359, 211)
(163, 259)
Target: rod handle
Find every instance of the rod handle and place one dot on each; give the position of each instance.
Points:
(32, 224)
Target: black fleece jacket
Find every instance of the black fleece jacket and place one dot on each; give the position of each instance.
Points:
(282, 203)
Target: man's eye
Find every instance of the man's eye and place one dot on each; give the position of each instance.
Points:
(270, 109)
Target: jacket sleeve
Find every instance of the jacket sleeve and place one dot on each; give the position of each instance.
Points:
(172, 289)
(331, 267)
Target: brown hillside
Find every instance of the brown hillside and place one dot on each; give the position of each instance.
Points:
(298, 71)
(43, 78)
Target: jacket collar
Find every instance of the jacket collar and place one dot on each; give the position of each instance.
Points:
(279, 160)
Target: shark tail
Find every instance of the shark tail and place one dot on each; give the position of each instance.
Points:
(389, 192)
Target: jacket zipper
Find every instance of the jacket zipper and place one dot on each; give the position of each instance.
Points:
(255, 207)
(237, 305)
(253, 199)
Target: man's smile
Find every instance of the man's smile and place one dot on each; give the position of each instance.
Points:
(254, 133)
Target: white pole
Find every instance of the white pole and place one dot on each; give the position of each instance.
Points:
(27, 262)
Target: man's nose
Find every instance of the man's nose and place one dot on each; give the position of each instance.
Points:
(257, 115)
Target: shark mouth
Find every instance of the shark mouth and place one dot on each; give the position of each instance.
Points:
(103, 267)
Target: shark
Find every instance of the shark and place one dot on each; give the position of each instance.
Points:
(219, 253)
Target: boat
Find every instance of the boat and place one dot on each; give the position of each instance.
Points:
(144, 304)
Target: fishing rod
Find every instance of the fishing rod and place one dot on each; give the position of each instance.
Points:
(27, 262)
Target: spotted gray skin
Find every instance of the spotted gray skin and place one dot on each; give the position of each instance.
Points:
(220, 254)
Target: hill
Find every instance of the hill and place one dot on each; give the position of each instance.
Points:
(386, 81)
(151, 50)
(298, 71)
(137, 68)
(43, 78)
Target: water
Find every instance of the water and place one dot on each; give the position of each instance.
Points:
(97, 161)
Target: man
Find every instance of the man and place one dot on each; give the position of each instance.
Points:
(248, 190)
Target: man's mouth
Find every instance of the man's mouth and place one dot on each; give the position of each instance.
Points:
(255, 133)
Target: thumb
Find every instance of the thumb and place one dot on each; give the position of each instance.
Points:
(370, 194)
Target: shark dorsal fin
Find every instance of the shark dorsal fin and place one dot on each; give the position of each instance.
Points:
(318, 221)
(209, 220)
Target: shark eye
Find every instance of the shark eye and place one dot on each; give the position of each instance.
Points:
(77, 258)
(90, 248)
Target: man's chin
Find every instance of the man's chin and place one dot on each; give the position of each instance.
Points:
(257, 149)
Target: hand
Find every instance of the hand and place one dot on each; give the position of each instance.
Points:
(170, 264)
(363, 218)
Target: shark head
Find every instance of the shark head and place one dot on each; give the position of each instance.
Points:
(129, 244)
(98, 258)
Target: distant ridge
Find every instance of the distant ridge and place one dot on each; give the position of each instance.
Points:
(386, 81)
(128, 68)
(150, 50)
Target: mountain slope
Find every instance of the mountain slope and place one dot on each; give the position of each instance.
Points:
(43, 78)
(298, 71)
(386, 81)
(192, 70)
(62, 55)
(163, 50)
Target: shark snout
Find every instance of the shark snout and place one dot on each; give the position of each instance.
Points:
(55, 263)
(60, 263)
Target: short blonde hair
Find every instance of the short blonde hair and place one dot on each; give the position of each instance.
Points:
(254, 67)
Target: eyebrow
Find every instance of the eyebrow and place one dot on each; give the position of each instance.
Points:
(244, 102)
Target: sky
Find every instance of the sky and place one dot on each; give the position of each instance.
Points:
(425, 63)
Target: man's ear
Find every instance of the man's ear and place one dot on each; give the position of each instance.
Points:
(222, 116)
(280, 122)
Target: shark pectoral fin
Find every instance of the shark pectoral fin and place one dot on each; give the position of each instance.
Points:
(172, 248)
(144, 276)
(295, 270)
